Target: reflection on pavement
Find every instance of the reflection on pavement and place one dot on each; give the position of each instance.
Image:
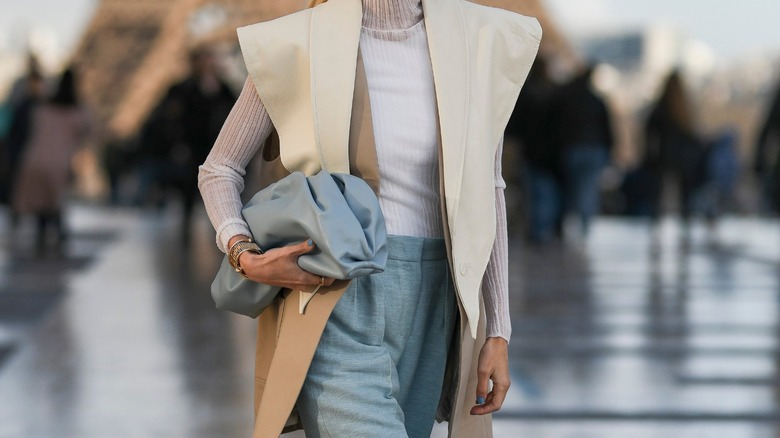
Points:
(611, 337)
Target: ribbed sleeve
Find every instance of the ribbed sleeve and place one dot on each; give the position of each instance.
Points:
(221, 177)
(495, 284)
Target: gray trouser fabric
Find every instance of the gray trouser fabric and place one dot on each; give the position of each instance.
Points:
(379, 367)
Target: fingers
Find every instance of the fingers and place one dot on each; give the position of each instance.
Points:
(484, 408)
(499, 394)
(309, 282)
(314, 280)
(493, 401)
(302, 248)
(483, 380)
(319, 281)
(297, 278)
(493, 365)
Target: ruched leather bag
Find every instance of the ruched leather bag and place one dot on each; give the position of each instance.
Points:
(339, 212)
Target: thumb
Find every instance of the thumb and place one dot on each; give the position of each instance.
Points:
(482, 387)
(303, 247)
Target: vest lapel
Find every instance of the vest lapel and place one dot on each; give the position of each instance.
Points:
(362, 148)
(363, 161)
(447, 45)
(335, 35)
(289, 337)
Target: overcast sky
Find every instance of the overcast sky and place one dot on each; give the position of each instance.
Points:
(729, 29)
(64, 19)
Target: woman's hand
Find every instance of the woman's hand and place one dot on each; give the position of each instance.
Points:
(493, 365)
(279, 267)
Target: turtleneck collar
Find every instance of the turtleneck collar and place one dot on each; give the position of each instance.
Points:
(390, 15)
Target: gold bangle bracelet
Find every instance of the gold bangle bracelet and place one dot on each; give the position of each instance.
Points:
(232, 256)
(238, 249)
(249, 248)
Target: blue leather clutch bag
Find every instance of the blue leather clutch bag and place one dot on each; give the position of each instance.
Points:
(339, 212)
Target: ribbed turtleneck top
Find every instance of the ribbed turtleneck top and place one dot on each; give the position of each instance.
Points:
(394, 47)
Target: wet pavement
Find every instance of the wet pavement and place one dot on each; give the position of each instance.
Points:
(615, 336)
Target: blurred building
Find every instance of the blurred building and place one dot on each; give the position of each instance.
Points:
(639, 59)
(653, 50)
(133, 51)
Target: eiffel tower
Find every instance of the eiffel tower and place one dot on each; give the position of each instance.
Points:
(133, 50)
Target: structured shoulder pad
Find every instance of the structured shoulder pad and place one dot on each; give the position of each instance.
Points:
(510, 20)
(280, 45)
(503, 47)
(514, 38)
(502, 18)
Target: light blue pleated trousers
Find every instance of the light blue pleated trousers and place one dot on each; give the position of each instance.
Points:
(379, 367)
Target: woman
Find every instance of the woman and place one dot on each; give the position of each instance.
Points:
(19, 132)
(57, 130)
(384, 354)
(530, 124)
(585, 140)
(673, 151)
(767, 157)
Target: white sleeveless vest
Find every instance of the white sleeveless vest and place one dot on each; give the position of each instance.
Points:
(303, 66)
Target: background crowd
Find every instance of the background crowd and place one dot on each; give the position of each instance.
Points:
(47, 124)
(566, 140)
(561, 137)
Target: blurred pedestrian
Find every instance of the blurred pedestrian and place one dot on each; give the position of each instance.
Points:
(18, 94)
(161, 135)
(673, 150)
(582, 131)
(58, 129)
(19, 91)
(119, 159)
(193, 113)
(720, 174)
(21, 110)
(540, 161)
(767, 157)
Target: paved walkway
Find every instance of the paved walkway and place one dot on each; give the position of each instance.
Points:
(613, 337)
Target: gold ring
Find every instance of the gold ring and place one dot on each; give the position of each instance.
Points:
(322, 281)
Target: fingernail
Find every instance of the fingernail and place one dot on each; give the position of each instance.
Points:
(310, 242)
(480, 400)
